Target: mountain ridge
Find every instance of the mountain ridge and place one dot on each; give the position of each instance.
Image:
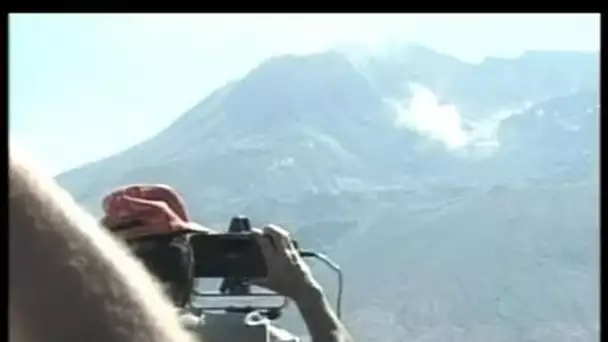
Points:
(435, 244)
(256, 115)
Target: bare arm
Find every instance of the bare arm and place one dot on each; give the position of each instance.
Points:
(69, 280)
(322, 323)
(290, 276)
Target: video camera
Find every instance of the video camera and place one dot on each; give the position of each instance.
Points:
(232, 255)
(237, 259)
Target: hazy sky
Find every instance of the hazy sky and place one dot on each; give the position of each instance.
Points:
(82, 87)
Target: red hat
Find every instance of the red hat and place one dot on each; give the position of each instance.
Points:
(140, 210)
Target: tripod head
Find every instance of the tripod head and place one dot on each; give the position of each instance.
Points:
(236, 285)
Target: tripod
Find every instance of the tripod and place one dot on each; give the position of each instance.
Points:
(240, 324)
(246, 324)
(241, 327)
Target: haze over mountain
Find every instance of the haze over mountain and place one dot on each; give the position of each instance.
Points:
(461, 199)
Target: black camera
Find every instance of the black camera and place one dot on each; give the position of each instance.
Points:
(237, 258)
(228, 255)
(235, 254)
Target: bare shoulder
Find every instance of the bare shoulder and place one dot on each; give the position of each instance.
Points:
(69, 279)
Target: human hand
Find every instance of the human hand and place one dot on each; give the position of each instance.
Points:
(288, 274)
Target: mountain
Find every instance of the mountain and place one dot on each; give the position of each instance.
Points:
(494, 239)
(555, 138)
(499, 264)
(479, 89)
(281, 119)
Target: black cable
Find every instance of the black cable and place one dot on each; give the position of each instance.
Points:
(335, 267)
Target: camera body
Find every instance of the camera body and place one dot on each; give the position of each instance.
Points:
(236, 258)
(228, 255)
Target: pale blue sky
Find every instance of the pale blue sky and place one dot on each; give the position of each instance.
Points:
(82, 87)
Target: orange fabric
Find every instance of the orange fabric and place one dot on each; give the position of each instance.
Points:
(158, 207)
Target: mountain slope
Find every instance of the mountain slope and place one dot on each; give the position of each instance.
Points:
(435, 244)
(258, 126)
(505, 259)
(557, 138)
(480, 89)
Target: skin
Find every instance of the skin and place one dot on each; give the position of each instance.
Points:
(288, 274)
(69, 280)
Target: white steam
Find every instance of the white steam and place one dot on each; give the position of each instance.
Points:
(423, 113)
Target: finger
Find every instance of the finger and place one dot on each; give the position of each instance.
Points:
(285, 238)
(279, 235)
(292, 255)
(266, 246)
(259, 233)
